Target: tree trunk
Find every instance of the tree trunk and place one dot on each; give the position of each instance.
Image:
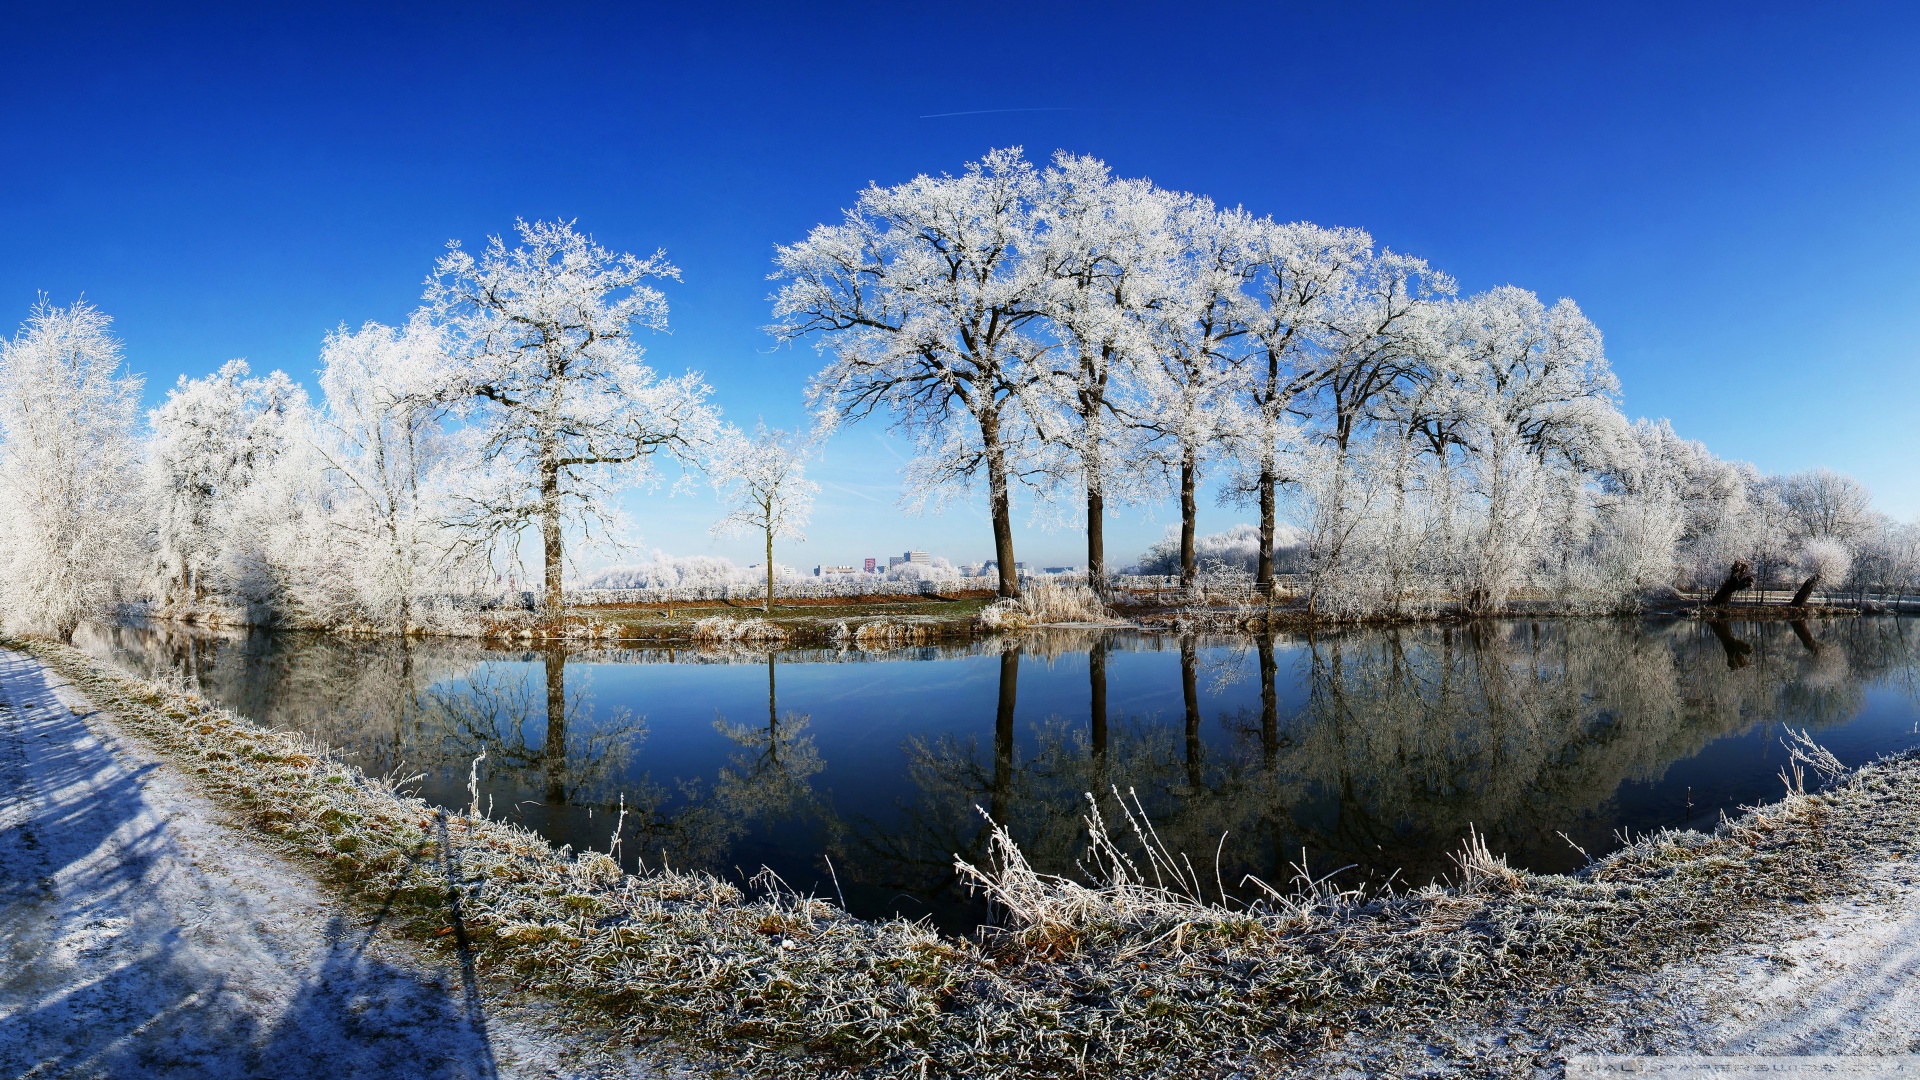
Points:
(1263, 576)
(1097, 710)
(1269, 705)
(1189, 514)
(1738, 578)
(1801, 597)
(1000, 503)
(1096, 541)
(1805, 635)
(550, 537)
(1738, 652)
(769, 606)
(773, 714)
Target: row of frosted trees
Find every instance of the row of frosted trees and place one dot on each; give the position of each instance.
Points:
(1052, 335)
(1104, 342)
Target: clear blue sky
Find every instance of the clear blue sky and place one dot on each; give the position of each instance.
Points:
(1732, 194)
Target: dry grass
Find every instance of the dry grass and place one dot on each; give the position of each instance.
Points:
(884, 633)
(1045, 603)
(726, 630)
(1131, 970)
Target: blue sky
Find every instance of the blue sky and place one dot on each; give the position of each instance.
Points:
(1729, 192)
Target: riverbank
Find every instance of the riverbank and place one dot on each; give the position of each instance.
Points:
(1116, 977)
(896, 620)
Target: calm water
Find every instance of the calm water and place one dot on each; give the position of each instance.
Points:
(1371, 750)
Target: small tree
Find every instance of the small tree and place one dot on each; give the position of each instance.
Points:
(221, 446)
(763, 479)
(69, 479)
(543, 358)
(383, 439)
(1824, 561)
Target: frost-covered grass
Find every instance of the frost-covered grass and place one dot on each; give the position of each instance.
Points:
(1131, 970)
(1043, 603)
(726, 630)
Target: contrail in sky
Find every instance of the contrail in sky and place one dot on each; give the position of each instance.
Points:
(983, 112)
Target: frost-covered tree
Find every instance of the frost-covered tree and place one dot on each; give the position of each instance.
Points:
(1102, 247)
(544, 362)
(925, 296)
(1536, 397)
(1824, 504)
(228, 468)
(762, 479)
(1385, 366)
(391, 458)
(1823, 560)
(1187, 385)
(1238, 548)
(1296, 274)
(69, 480)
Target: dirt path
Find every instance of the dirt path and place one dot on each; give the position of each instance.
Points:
(141, 935)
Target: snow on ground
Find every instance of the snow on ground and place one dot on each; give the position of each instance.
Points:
(1843, 980)
(1831, 991)
(141, 935)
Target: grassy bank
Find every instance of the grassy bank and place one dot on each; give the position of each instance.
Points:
(807, 623)
(1128, 974)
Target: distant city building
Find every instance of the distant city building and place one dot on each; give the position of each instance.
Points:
(1058, 569)
(823, 569)
(920, 557)
(870, 566)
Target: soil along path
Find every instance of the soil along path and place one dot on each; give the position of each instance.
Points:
(141, 935)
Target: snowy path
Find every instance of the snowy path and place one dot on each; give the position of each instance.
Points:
(142, 936)
(1844, 980)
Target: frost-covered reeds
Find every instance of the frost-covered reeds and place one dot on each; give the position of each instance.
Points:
(1046, 603)
(727, 630)
(1141, 966)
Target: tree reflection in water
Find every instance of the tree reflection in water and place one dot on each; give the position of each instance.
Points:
(579, 764)
(1370, 748)
(1405, 738)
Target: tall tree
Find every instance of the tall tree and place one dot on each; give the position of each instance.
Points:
(223, 445)
(1101, 249)
(1537, 397)
(69, 478)
(542, 349)
(1186, 386)
(925, 296)
(763, 479)
(1295, 273)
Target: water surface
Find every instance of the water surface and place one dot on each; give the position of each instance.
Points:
(1369, 752)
